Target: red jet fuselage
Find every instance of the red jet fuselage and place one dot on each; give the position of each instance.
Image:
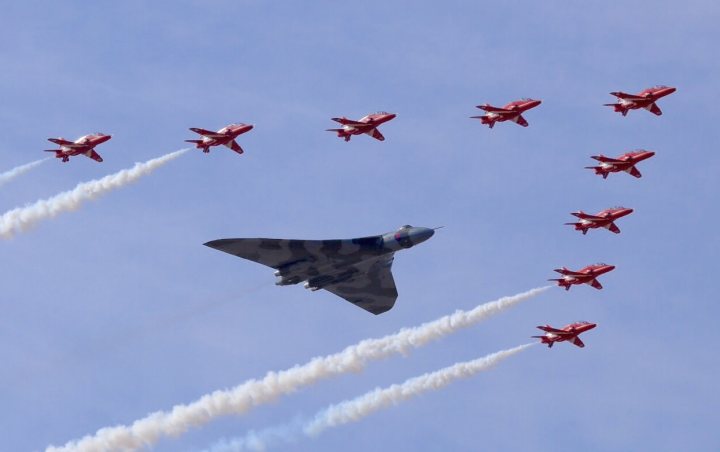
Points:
(84, 145)
(223, 137)
(567, 333)
(510, 112)
(625, 162)
(644, 99)
(603, 219)
(586, 275)
(367, 124)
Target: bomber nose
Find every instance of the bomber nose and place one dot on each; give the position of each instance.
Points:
(419, 235)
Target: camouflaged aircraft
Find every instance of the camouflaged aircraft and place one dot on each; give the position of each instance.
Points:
(358, 270)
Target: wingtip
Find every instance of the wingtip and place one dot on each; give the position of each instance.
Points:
(213, 243)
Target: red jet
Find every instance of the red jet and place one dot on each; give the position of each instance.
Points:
(567, 333)
(586, 275)
(625, 162)
(367, 124)
(84, 145)
(644, 99)
(604, 219)
(510, 112)
(225, 136)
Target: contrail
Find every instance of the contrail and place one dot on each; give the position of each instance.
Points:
(7, 176)
(240, 399)
(356, 409)
(23, 218)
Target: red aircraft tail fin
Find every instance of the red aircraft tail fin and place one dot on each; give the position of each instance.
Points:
(618, 108)
(59, 154)
(544, 340)
(600, 171)
(485, 120)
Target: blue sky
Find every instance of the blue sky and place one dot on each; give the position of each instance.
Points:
(117, 310)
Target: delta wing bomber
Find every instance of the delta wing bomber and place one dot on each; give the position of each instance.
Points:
(358, 270)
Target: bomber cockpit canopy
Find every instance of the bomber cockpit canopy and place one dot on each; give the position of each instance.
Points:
(404, 227)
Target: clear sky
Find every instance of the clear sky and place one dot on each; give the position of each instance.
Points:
(117, 310)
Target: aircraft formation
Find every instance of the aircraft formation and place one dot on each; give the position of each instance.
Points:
(359, 269)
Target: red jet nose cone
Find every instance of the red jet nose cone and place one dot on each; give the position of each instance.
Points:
(390, 116)
(609, 268)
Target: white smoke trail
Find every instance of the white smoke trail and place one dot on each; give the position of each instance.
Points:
(242, 398)
(9, 175)
(356, 409)
(23, 218)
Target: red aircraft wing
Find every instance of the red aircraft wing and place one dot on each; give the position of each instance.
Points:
(375, 133)
(634, 172)
(66, 143)
(576, 341)
(613, 228)
(596, 284)
(586, 216)
(206, 133)
(602, 158)
(549, 329)
(654, 109)
(565, 271)
(491, 109)
(520, 120)
(621, 95)
(234, 146)
(350, 122)
(95, 156)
